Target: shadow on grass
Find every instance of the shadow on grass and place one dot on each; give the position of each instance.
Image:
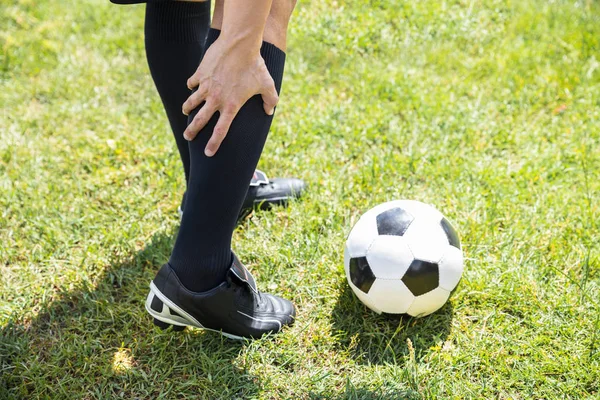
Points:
(100, 343)
(380, 339)
(353, 393)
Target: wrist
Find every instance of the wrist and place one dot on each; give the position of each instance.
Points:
(247, 41)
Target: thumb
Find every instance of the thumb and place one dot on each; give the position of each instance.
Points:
(270, 99)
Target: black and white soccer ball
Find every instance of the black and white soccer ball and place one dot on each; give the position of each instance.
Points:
(403, 257)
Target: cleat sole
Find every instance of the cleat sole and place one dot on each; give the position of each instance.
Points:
(164, 326)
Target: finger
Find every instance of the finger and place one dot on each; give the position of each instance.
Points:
(219, 133)
(193, 81)
(193, 101)
(270, 99)
(199, 121)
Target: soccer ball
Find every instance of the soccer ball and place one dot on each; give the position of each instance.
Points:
(403, 257)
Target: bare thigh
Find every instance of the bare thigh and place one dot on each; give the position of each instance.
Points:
(277, 22)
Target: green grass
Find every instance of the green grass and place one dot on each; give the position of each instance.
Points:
(490, 110)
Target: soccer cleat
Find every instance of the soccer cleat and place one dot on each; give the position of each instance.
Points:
(264, 192)
(235, 308)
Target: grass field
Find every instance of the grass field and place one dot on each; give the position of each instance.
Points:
(490, 110)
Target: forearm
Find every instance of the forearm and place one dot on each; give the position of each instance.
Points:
(233, 69)
(244, 22)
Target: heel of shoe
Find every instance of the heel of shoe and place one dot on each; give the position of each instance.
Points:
(163, 316)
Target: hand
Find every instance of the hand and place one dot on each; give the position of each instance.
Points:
(230, 74)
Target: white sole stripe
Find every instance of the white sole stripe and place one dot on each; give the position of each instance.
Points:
(260, 319)
(164, 315)
(193, 321)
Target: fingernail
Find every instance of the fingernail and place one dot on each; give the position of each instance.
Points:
(209, 152)
(186, 136)
(183, 111)
(272, 111)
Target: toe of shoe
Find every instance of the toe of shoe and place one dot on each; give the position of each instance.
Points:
(289, 313)
(298, 186)
(282, 309)
(292, 187)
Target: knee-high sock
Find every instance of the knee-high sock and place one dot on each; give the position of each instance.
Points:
(175, 32)
(218, 185)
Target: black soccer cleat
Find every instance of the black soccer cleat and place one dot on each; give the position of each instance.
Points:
(235, 308)
(264, 193)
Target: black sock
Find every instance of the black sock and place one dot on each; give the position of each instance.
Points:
(218, 185)
(175, 32)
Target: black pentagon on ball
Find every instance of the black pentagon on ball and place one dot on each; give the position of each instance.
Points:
(450, 233)
(394, 221)
(421, 277)
(360, 274)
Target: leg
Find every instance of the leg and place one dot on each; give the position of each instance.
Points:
(218, 185)
(204, 284)
(175, 33)
(174, 36)
(277, 22)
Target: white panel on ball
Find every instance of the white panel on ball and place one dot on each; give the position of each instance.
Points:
(364, 298)
(346, 260)
(418, 209)
(362, 235)
(378, 209)
(429, 302)
(391, 296)
(389, 257)
(451, 268)
(426, 239)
